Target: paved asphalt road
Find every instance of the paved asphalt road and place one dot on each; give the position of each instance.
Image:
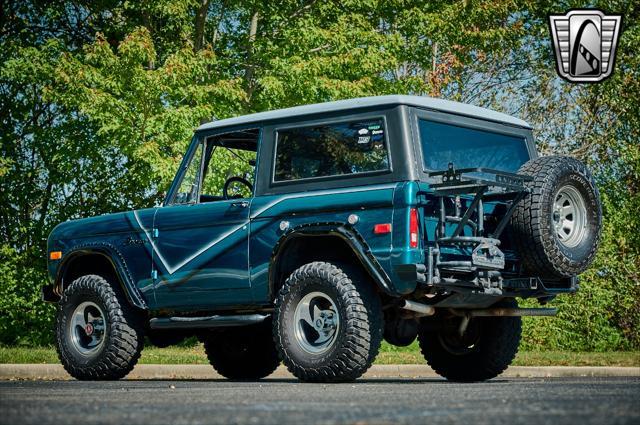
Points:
(375, 401)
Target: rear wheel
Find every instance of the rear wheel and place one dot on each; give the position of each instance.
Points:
(328, 323)
(98, 334)
(244, 353)
(483, 351)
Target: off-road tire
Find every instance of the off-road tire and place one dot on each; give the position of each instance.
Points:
(493, 352)
(123, 336)
(357, 340)
(532, 231)
(245, 353)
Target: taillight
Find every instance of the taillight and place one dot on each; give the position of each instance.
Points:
(413, 228)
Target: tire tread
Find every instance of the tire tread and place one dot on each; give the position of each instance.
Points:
(363, 334)
(125, 332)
(531, 233)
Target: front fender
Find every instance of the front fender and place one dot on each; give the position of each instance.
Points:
(111, 253)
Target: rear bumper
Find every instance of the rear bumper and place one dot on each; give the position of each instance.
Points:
(534, 287)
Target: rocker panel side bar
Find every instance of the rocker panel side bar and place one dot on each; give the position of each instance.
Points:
(206, 322)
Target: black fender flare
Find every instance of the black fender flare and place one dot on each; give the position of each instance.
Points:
(346, 233)
(111, 254)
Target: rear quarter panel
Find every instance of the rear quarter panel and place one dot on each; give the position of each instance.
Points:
(372, 204)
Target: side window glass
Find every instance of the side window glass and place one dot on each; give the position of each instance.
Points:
(189, 187)
(230, 162)
(331, 150)
(234, 168)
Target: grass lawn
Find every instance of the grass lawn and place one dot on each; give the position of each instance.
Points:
(388, 355)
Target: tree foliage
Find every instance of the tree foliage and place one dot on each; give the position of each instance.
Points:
(98, 100)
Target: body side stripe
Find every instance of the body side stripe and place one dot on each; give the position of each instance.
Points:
(173, 269)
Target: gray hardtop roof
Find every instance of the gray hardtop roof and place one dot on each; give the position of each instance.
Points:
(365, 102)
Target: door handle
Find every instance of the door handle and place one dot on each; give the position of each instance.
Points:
(240, 204)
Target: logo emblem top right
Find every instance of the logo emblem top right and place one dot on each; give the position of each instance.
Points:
(585, 43)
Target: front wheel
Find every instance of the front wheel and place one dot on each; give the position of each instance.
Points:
(483, 351)
(98, 334)
(328, 323)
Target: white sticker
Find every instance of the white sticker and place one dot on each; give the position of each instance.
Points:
(364, 139)
(363, 131)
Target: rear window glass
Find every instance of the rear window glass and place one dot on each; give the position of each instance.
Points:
(470, 148)
(331, 150)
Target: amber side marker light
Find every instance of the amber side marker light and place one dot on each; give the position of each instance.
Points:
(55, 255)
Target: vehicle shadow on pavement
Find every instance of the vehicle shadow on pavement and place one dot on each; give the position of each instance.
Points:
(391, 381)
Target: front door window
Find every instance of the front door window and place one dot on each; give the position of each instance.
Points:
(230, 171)
(227, 170)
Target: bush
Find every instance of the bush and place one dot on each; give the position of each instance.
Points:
(605, 313)
(24, 318)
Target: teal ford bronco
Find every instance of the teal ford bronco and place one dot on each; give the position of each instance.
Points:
(307, 235)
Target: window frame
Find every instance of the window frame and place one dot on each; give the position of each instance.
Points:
(203, 139)
(329, 122)
(182, 171)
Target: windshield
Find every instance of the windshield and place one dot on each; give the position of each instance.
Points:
(470, 148)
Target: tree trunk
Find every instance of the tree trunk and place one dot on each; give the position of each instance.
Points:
(217, 27)
(434, 57)
(201, 20)
(248, 74)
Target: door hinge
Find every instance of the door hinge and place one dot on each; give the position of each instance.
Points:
(154, 233)
(154, 274)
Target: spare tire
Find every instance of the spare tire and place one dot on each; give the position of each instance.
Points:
(556, 227)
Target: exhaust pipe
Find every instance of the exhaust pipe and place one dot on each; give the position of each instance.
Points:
(513, 312)
(427, 310)
(499, 312)
(421, 309)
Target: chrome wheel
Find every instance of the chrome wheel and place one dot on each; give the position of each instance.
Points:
(316, 322)
(87, 328)
(569, 216)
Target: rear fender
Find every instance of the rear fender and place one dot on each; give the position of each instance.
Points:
(347, 234)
